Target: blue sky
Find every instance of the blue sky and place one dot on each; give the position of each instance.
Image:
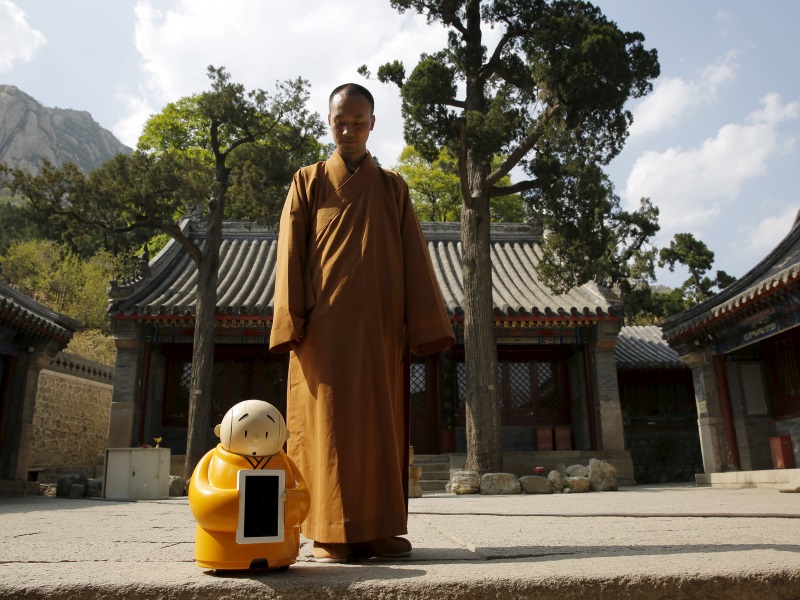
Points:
(715, 146)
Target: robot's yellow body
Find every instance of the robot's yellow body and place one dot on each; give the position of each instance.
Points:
(251, 435)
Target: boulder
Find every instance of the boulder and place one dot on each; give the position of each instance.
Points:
(602, 476)
(463, 482)
(576, 484)
(556, 481)
(65, 482)
(577, 471)
(77, 490)
(177, 485)
(533, 484)
(94, 487)
(414, 489)
(500, 483)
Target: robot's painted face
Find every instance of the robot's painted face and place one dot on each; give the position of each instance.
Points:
(252, 428)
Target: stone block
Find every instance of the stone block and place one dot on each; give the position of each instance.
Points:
(500, 483)
(177, 486)
(533, 484)
(576, 484)
(577, 471)
(77, 490)
(602, 476)
(463, 482)
(94, 488)
(65, 482)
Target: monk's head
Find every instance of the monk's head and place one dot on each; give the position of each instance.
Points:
(351, 119)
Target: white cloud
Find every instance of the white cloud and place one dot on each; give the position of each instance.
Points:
(771, 230)
(260, 43)
(18, 40)
(672, 97)
(690, 187)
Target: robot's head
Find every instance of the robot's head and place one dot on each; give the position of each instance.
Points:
(252, 428)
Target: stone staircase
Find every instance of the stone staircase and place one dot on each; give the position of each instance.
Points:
(435, 471)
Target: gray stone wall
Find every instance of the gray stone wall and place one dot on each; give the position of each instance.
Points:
(70, 421)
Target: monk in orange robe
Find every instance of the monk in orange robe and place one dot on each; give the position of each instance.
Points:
(354, 290)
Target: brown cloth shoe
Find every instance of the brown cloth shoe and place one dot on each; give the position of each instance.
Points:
(331, 553)
(391, 547)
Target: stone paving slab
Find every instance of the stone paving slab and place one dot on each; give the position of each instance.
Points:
(464, 547)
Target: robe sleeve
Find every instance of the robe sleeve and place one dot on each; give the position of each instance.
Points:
(289, 313)
(427, 325)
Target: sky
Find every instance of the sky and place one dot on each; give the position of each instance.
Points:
(715, 145)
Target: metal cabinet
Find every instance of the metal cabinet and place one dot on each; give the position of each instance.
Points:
(136, 473)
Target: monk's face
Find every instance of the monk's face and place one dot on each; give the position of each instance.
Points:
(351, 120)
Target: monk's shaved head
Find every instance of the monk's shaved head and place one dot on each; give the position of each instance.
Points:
(352, 89)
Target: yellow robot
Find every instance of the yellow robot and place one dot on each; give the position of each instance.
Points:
(237, 531)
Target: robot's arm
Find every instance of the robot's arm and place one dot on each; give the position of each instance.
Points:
(298, 499)
(214, 508)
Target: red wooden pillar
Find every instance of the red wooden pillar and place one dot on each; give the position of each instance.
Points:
(726, 410)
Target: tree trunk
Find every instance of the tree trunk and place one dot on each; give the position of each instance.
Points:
(203, 350)
(484, 435)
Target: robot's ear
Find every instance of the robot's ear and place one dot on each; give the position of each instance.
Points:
(216, 430)
(288, 433)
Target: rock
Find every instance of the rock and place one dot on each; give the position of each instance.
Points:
(577, 471)
(500, 483)
(177, 485)
(94, 487)
(30, 132)
(602, 476)
(791, 488)
(77, 490)
(65, 482)
(533, 484)
(414, 489)
(556, 481)
(576, 484)
(463, 482)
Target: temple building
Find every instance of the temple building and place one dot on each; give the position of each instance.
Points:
(30, 337)
(557, 369)
(743, 347)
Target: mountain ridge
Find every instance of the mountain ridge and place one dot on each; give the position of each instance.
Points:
(31, 132)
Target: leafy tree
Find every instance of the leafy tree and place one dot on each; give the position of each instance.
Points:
(221, 153)
(550, 98)
(692, 253)
(436, 188)
(94, 345)
(53, 275)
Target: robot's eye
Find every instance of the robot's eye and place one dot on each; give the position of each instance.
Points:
(245, 433)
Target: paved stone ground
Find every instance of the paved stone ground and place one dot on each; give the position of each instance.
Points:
(656, 542)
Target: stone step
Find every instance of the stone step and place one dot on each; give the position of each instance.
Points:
(431, 458)
(432, 485)
(442, 474)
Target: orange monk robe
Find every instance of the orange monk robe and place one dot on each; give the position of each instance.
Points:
(354, 290)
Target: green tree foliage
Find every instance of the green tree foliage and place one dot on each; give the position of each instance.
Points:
(692, 253)
(549, 97)
(55, 276)
(645, 304)
(222, 153)
(436, 188)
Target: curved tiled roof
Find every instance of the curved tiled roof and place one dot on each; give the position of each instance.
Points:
(25, 314)
(643, 347)
(779, 268)
(247, 276)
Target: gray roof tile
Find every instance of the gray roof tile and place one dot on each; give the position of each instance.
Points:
(247, 276)
(640, 347)
(780, 268)
(25, 314)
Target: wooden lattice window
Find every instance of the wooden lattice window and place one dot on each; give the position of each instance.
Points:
(417, 385)
(530, 391)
